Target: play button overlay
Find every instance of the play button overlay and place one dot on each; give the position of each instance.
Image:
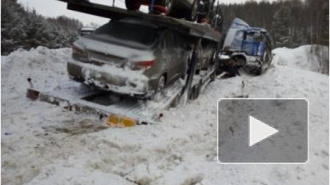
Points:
(259, 131)
(262, 131)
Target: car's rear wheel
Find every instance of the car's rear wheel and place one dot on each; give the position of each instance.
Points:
(132, 5)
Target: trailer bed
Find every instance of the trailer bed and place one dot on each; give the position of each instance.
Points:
(76, 97)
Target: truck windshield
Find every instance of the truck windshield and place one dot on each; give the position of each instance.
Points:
(237, 40)
(135, 35)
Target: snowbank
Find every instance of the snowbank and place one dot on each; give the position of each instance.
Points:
(302, 58)
(43, 144)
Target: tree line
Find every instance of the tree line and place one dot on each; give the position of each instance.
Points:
(24, 28)
(291, 23)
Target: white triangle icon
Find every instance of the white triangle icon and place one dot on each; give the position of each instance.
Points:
(259, 131)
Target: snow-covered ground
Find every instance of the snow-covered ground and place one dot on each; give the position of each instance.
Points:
(301, 57)
(46, 145)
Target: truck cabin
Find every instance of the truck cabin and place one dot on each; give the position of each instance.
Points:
(251, 41)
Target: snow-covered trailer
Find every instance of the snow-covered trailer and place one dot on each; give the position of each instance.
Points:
(119, 110)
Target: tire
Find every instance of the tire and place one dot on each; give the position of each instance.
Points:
(240, 61)
(258, 71)
(194, 11)
(131, 5)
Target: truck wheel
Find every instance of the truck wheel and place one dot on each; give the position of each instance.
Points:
(258, 71)
(194, 11)
(240, 61)
(131, 5)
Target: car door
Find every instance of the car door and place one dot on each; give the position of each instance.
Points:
(170, 55)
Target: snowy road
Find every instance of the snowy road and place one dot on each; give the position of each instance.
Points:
(43, 144)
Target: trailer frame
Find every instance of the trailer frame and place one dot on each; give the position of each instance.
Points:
(75, 97)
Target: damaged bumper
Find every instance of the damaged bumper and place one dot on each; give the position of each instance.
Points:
(110, 78)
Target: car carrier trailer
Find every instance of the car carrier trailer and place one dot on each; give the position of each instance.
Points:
(120, 110)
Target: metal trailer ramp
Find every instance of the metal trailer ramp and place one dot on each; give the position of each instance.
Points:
(115, 110)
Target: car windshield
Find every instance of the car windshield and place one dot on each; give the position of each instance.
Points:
(135, 35)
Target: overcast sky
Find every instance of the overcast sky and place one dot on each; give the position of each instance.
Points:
(54, 8)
